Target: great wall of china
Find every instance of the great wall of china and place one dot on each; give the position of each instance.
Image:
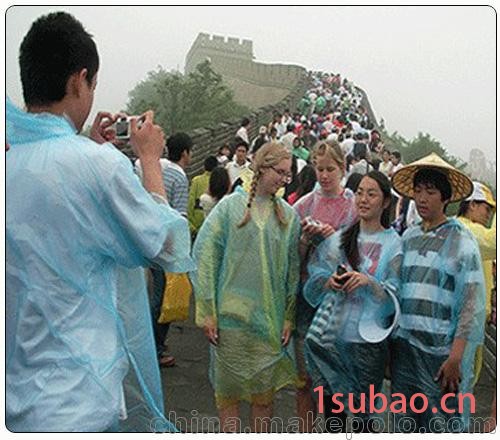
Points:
(265, 88)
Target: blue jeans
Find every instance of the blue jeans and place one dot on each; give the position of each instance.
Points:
(160, 330)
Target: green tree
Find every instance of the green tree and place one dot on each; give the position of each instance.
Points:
(185, 102)
(420, 146)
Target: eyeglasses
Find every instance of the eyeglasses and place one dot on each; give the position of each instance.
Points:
(285, 175)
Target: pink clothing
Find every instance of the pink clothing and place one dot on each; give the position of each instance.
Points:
(292, 198)
(338, 211)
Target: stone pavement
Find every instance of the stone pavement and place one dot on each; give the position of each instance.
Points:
(189, 397)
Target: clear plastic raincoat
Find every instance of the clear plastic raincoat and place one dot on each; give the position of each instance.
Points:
(337, 357)
(442, 297)
(80, 353)
(247, 280)
(338, 212)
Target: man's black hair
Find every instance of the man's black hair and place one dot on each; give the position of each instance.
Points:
(245, 121)
(434, 178)
(55, 47)
(396, 154)
(463, 208)
(177, 144)
(238, 142)
(210, 163)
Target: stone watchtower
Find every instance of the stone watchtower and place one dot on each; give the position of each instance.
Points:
(254, 84)
(217, 50)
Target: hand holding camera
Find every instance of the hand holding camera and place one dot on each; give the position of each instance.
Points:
(314, 231)
(146, 138)
(123, 125)
(103, 129)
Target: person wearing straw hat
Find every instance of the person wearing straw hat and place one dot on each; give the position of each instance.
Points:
(442, 300)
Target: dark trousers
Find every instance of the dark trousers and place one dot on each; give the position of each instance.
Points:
(337, 422)
(160, 330)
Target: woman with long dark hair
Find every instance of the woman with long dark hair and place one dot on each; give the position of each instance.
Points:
(307, 180)
(353, 277)
(218, 186)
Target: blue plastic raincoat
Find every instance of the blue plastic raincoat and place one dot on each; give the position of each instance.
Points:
(80, 353)
(442, 297)
(337, 357)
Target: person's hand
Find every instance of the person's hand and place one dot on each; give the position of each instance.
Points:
(287, 332)
(102, 129)
(449, 375)
(148, 141)
(310, 229)
(326, 230)
(354, 280)
(211, 332)
(335, 282)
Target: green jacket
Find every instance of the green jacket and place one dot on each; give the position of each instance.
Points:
(199, 185)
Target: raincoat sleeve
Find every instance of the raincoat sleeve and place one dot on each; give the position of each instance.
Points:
(486, 239)
(293, 275)
(470, 307)
(388, 278)
(322, 264)
(136, 230)
(208, 252)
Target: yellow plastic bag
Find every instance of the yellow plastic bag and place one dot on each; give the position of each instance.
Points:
(175, 304)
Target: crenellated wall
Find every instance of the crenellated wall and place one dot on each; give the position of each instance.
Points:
(208, 140)
(254, 84)
(206, 45)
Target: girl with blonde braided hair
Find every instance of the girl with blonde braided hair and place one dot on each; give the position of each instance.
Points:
(262, 162)
(245, 286)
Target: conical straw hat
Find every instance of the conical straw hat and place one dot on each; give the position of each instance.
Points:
(461, 185)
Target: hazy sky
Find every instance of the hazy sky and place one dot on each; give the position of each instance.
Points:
(428, 69)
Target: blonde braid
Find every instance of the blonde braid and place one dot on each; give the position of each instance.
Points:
(253, 191)
(268, 155)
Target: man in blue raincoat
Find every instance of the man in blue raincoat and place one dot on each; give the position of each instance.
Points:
(80, 353)
(442, 300)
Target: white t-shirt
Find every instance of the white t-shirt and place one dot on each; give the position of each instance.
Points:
(287, 140)
(347, 146)
(235, 170)
(332, 137)
(385, 168)
(207, 202)
(396, 168)
(243, 134)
